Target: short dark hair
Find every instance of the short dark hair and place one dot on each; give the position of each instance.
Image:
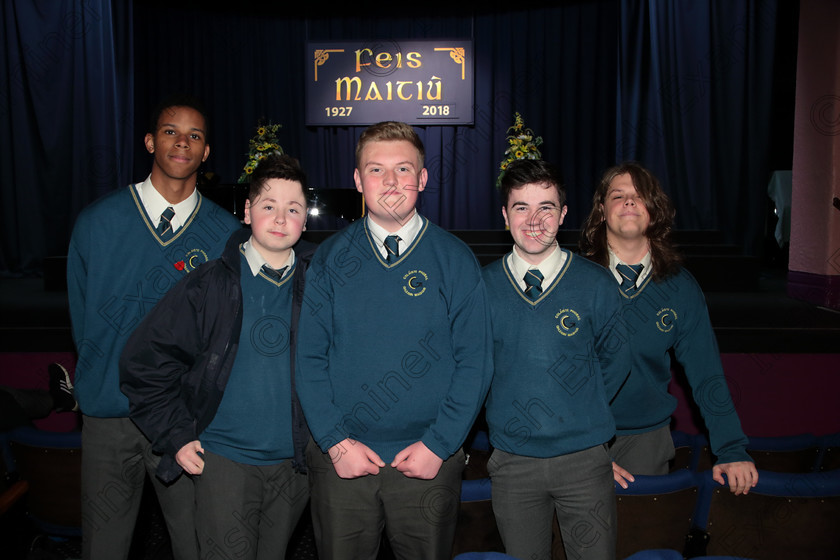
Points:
(390, 131)
(277, 166)
(522, 172)
(179, 100)
(665, 259)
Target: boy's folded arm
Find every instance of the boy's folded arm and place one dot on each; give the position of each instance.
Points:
(323, 417)
(312, 379)
(472, 343)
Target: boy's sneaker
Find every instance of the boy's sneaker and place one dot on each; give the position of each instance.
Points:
(61, 389)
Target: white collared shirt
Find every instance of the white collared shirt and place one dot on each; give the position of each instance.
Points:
(407, 233)
(256, 261)
(155, 204)
(550, 266)
(614, 260)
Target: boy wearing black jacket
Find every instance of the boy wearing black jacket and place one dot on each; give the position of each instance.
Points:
(208, 374)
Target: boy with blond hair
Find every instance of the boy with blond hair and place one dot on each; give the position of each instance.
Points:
(393, 364)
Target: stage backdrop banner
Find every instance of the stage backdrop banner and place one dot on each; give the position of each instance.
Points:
(362, 83)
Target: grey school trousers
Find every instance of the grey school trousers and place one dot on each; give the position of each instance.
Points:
(417, 516)
(247, 512)
(526, 491)
(115, 459)
(648, 453)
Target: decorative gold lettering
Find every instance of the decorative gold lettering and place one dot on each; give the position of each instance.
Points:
(383, 60)
(434, 83)
(359, 62)
(348, 83)
(373, 93)
(400, 90)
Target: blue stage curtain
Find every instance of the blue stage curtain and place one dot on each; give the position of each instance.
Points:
(536, 61)
(688, 88)
(700, 84)
(65, 100)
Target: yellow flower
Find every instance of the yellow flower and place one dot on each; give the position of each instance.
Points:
(521, 145)
(262, 144)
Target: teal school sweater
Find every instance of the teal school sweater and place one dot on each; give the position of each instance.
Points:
(253, 424)
(117, 270)
(393, 354)
(558, 360)
(659, 317)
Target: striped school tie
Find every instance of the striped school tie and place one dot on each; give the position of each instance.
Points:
(392, 248)
(629, 274)
(533, 283)
(164, 229)
(274, 273)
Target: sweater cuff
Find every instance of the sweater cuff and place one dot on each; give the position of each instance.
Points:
(436, 447)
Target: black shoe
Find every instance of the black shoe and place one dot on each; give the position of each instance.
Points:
(61, 389)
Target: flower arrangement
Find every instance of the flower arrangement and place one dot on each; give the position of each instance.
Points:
(261, 145)
(521, 145)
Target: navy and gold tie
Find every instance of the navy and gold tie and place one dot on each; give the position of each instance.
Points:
(392, 248)
(164, 228)
(533, 283)
(274, 273)
(629, 274)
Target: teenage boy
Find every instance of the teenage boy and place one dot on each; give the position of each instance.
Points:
(208, 374)
(127, 249)
(393, 364)
(560, 356)
(628, 231)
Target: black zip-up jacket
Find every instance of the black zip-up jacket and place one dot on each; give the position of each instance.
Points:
(176, 364)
